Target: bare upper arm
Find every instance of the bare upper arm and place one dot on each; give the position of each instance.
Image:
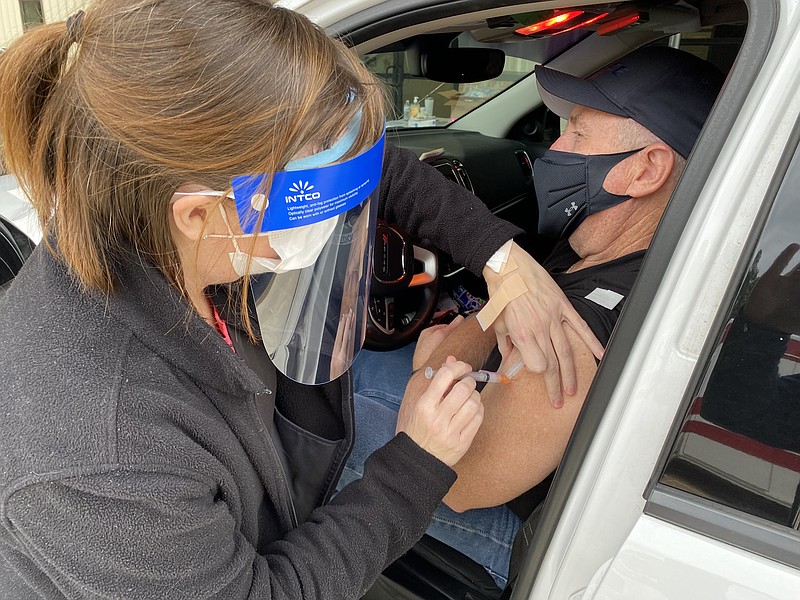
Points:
(468, 343)
(522, 437)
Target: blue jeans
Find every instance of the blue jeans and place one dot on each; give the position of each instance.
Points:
(484, 534)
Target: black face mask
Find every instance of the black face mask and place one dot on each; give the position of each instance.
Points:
(569, 188)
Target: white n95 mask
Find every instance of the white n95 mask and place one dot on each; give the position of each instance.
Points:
(296, 248)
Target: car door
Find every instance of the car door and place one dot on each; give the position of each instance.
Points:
(724, 511)
(15, 247)
(658, 496)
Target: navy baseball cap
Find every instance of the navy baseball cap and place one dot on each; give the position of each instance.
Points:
(668, 91)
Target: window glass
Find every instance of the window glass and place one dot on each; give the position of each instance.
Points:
(32, 13)
(718, 44)
(739, 445)
(446, 102)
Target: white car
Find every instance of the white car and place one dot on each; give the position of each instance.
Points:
(665, 492)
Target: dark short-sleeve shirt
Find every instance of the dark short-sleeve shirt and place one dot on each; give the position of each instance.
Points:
(617, 276)
(587, 290)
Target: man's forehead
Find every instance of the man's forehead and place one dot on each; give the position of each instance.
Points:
(583, 116)
(576, 116)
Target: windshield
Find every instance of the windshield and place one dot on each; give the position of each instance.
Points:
(421, 102)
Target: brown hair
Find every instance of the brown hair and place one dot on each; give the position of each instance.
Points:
(102, 120)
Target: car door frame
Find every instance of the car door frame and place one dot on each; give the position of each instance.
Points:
(549, 569)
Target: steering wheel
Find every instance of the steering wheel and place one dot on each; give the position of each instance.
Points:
(404, 289)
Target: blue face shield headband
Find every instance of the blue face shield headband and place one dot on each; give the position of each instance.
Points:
(307, 192)
(312, 319)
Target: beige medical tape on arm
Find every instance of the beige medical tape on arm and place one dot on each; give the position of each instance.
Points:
(511, 289)
(509, 267)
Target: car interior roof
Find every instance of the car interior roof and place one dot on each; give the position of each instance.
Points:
(496, 24)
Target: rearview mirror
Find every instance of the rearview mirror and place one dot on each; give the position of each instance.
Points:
(463, 65)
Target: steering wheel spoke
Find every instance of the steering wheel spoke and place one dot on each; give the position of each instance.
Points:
(430, 267)
(405, 280)
(381, 311)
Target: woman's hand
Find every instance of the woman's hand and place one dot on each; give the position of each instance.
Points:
(534, 323)
(430, 339)
(445, 418)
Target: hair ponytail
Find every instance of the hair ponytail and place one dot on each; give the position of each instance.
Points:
(40, 136)
(30, 69)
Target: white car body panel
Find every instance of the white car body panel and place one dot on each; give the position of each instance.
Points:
(15, 207)
(327, 12)
(660, 561)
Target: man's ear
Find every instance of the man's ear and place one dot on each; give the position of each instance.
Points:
(189, 214)
(651, 170)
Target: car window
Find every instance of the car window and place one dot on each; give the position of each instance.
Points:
(718, 44)
(420, 102)
(32, 13)
(739, 444)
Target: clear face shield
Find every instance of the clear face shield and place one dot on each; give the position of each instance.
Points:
(312, 312)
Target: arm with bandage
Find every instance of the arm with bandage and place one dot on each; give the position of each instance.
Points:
(531, 312)
(522, 437)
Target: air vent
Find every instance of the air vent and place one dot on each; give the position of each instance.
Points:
(446, 169)
(525, 164)
(454, 171)
(462, 173)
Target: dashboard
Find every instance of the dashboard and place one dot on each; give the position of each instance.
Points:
(498, 171)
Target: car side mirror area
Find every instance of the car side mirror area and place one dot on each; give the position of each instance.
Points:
(462, 65)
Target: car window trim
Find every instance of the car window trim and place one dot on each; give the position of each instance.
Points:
(724, 524)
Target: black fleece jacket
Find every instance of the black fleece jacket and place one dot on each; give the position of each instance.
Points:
(135, 461)
(417, 197)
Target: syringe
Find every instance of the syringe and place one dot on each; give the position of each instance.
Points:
(484, 376)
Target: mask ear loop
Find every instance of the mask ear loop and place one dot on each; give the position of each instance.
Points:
(232, 235)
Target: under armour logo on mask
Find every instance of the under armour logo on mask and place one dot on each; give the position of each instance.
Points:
(570, 210)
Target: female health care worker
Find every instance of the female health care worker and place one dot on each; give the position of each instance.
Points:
(142, 457)
(206, 175)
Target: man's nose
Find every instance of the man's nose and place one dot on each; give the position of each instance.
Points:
(560, 144)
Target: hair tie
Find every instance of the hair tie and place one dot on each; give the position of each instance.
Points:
(75, 27)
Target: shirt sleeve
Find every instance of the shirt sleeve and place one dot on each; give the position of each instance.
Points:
(422, 201)
(173, 535)
(617, 276)
(600, 320)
